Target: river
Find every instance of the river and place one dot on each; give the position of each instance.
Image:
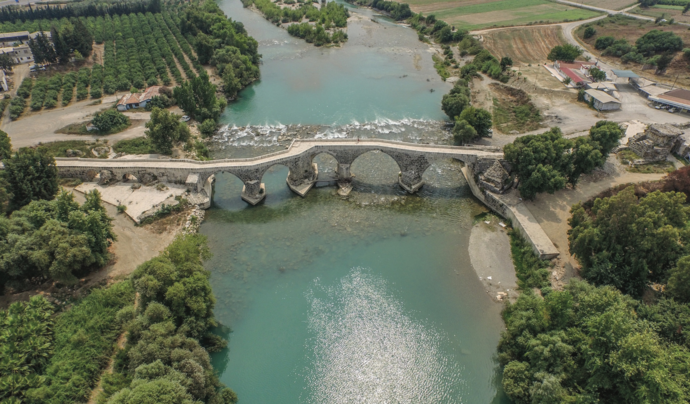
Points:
(369, 299)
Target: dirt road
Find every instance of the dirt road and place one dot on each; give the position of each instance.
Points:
(41, 126)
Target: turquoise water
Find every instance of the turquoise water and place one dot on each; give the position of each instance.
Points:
(374, 76)
(368, 299)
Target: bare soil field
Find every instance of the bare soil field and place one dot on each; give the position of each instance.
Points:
(668, 12)
(632, 30)
(476, 14)
(526, 45)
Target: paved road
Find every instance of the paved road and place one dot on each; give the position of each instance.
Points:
(296, 149)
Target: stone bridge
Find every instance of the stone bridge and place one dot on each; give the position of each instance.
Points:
(413, 160)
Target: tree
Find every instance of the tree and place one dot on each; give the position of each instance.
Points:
(463, 132)
(31, 175)
(625, 242)
(6, 62)
(679, 280)
(566, 53)
(589, 32)
(506, 62)
(686, 8)
(454, 104)
(208, 128)
(165, 129)
(597, 75)
(656, 41)
(62, 50)
(607, 134)
(5, 146)
(42, 49)
(479, 118)
(663, 62)
(109, 120)
(604, 42)
(82, 40)
(197, 98)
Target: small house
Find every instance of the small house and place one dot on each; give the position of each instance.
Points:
(602, 101)
(138, 100)
(577, 72)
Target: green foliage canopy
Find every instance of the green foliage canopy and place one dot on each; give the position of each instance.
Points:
(109, 120)
(31, 175)
(565, 53)
(165, 129)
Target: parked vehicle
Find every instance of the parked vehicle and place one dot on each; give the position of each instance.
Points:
(185, 118)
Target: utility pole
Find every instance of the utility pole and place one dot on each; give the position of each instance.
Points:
(674, 81)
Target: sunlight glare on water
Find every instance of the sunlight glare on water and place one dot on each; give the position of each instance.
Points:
(366, 349)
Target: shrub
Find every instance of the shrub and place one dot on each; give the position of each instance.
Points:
(109, 120)
(589, 32)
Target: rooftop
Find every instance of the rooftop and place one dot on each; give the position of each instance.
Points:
(7, 35)
(601, 96)
(625, 74)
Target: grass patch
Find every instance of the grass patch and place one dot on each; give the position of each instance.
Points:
(166, 210)
(80, 129)
(440, 66)
(661, 167)
(69, 182)
(139, 145)
(59, 149)
(84, 339)
(514, 111)
(531, 271)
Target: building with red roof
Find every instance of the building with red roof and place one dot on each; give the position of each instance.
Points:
(577, 72)
(138, 100)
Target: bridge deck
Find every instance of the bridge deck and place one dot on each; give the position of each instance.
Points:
(296, 149)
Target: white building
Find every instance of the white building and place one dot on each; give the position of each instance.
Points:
(137, 100)
(602, 101)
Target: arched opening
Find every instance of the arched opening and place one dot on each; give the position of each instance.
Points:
(375, 172)
(129, 178)
(227, 191)
(444, 179)
(277, 190)
(327, 166)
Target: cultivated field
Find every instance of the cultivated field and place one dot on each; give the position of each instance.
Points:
(631, 30)
(668, 12)
(609, 4)
(524, 45)
(476, 14)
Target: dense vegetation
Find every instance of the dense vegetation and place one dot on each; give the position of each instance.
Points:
(627, 242)
(566, 53)
(164, 130)
(31, 176)
(319, 20)
(166, 358)
(470, 122)
(594, 344)
(110, 121)
(55, 239)
(547, 162)
(656, 47)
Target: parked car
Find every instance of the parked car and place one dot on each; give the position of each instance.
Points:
(185, 118)
(36, 68)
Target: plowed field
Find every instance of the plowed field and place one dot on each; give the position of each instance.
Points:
(524, 45)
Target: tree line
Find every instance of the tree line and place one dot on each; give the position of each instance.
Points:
(88, 9)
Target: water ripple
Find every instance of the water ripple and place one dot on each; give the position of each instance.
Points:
(367, 350)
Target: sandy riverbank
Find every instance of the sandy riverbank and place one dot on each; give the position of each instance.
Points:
(491, 259)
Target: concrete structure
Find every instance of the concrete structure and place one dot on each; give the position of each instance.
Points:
(20, 54)
(9, 39)
(413, 159)
(602, 101)
(577, 72)
(137, 100)
(655, 143)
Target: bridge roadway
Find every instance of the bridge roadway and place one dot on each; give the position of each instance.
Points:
(413, 159)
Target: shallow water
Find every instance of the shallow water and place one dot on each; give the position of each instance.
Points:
(369, 299)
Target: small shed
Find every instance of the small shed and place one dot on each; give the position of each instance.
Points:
(602, 101)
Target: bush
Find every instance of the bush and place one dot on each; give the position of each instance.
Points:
(604, 42)
(140, 145)
(589, 32)
(208, 128)
(656, 41)
(565, 53)
(110, 120)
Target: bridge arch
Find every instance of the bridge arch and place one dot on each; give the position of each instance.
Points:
(385, 172)
(326, 162)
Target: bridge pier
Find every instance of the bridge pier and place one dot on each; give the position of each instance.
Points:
(344, 179)
(302, 175)
(410, 181)
(253, 192)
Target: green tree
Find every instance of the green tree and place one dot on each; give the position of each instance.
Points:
(479, 119)
(604, 42)
(566, 53)
(5, 146)
(626, 242)
(62, 50)
(31, 175)
(506, 62)
(6, 62)
(454, 104)
(679, 281)
(607, 135)
(597, 75)
(656, 41)
(82, 40)
(109, 120)
(165, 129)
(463, 132)
(589, 32)
(197, 98)
(208, 128)
(663, 62)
